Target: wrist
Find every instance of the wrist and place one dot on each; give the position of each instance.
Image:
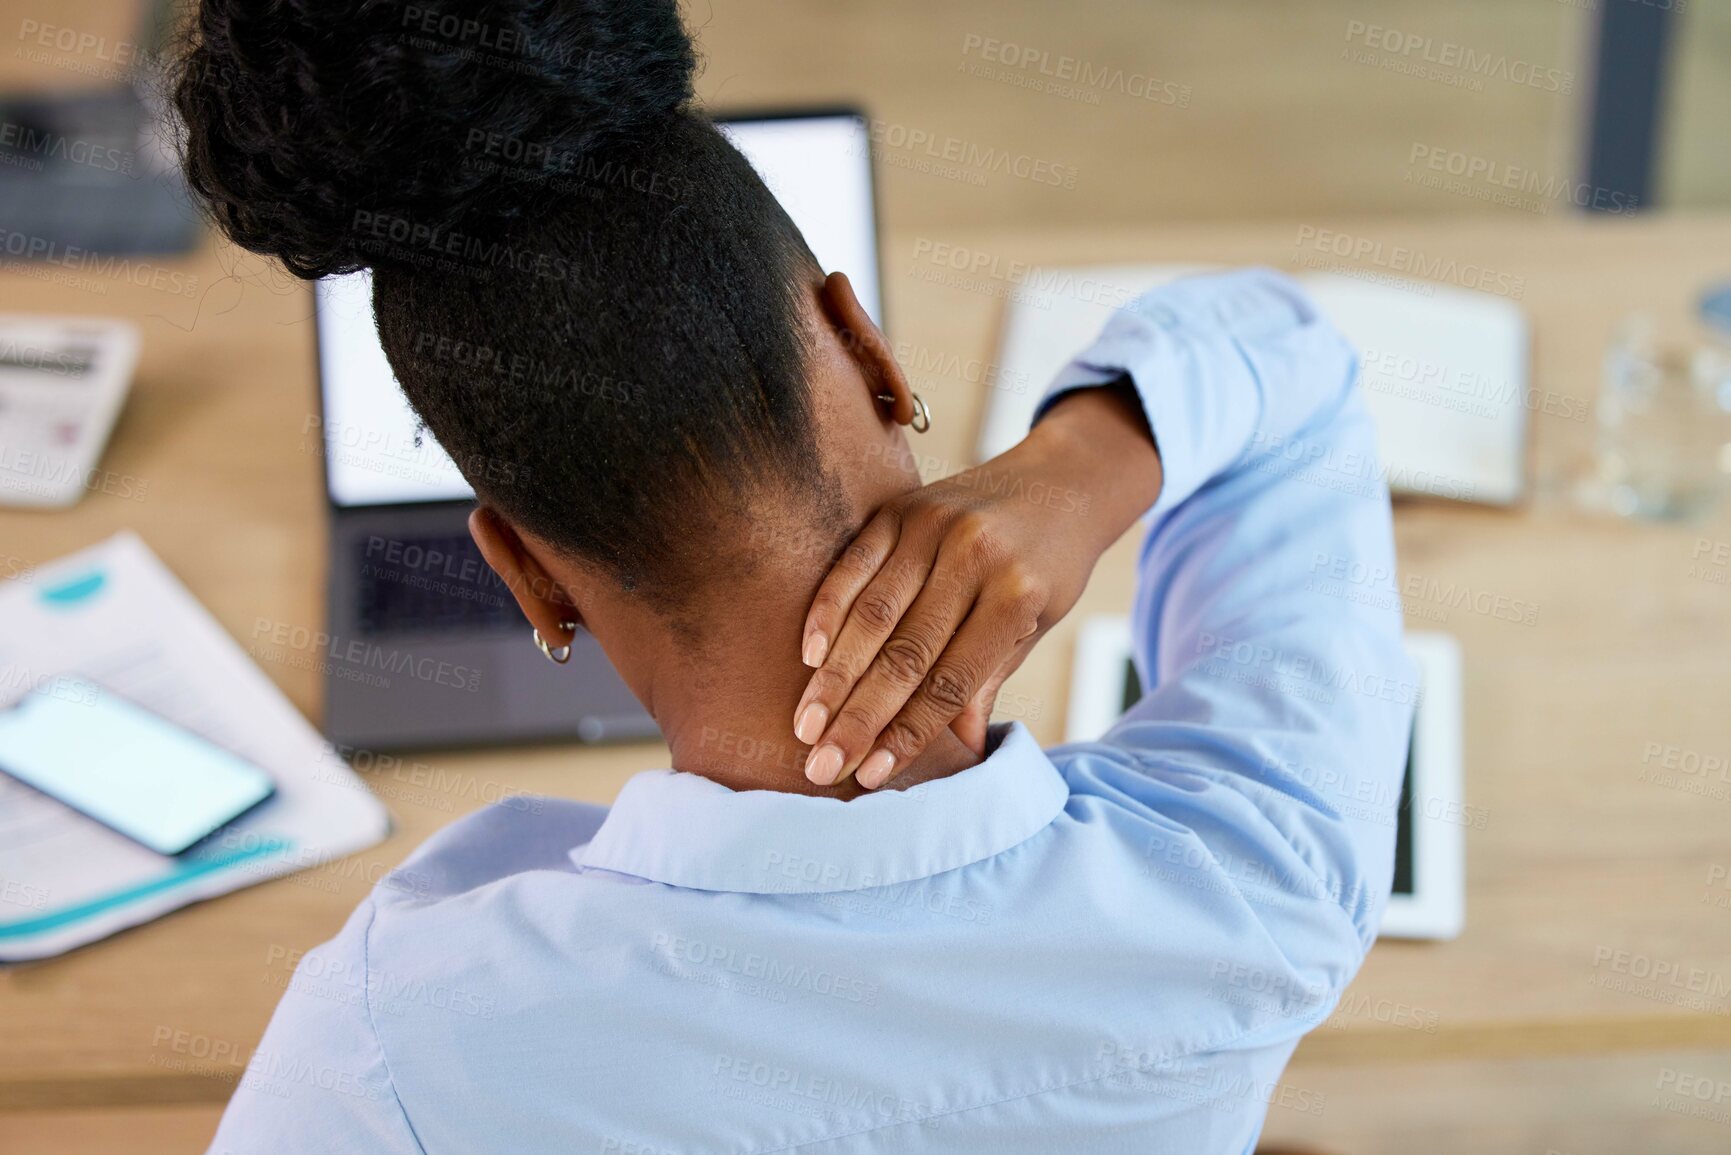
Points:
(1095, 444)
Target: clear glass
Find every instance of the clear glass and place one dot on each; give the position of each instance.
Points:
(1663, 448)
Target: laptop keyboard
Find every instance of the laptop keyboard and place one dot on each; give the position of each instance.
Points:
(430, 585)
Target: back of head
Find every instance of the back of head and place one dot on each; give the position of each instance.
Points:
(587, 293)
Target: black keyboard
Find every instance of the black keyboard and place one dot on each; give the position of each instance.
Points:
(430, 585)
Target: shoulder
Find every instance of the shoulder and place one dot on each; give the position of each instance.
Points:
(319, 1079)
(518, 834)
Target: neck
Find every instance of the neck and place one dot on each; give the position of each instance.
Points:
(723, 688)
(728, 714)
(729, 718)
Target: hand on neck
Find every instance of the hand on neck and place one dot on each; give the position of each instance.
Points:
(727, 714)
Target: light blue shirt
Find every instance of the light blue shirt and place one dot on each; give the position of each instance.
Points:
(1105, 947)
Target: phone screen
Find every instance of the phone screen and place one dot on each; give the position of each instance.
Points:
(137, 773)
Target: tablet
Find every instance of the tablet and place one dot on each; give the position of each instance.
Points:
(1429, 895)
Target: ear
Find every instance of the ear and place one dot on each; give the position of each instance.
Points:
(862, 339)
(542, 599)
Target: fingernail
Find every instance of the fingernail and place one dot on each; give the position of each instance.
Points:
(809, 728)
(816, 647)
(876, 769)
(824, 765)
(805, 696)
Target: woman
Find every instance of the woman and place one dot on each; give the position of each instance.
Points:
(847, 918)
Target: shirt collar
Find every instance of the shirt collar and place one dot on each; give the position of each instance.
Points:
(688, 831)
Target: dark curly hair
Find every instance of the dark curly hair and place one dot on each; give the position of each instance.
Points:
(586, 292)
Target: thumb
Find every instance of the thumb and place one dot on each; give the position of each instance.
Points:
(970, 725)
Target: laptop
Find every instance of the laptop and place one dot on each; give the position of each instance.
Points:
(426, 646)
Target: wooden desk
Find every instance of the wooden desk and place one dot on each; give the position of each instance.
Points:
(1578, 859)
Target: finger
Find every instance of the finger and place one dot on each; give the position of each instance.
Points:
(959, 676)
(895, 673)
(850, 575)
(874, 614)
(926, 657)
(875, 670)
(971, 724)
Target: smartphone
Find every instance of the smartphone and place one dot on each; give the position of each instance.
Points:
(129, 769)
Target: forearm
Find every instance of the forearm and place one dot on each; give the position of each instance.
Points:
(1095, 445)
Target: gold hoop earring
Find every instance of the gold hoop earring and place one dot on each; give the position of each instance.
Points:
(558, 655)
(922, 420)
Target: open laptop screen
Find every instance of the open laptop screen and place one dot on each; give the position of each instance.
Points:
(818, 166)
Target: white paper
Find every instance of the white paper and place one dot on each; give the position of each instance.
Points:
(1444, 370)
(115, 615)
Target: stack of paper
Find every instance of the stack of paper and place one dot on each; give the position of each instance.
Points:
(115, 615)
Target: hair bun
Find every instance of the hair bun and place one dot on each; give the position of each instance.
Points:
(310, 121)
